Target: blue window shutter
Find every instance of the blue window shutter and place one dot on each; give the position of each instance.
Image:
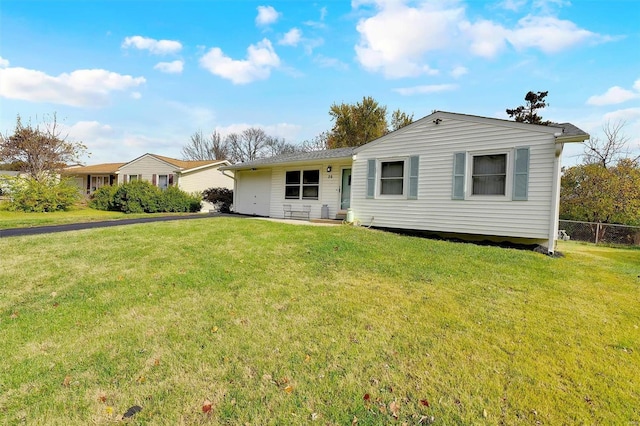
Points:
(457, 192)
(371, 178)
(521, 174)
(414, 163)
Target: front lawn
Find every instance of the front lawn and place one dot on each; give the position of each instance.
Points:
(280, 324)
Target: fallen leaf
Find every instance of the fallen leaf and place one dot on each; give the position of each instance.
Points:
(424, 402)
(354, 421)
(14, 315)
(206, 406)
(394, 407)
(132, 411)
(156, 362)
(366, 397)
(314, 416)
(484, 413)
(288, 389)
(102, 398)
(108, 410)
(56, 304)
(67, 381)
(141, 379)
(307, 358)
(214, 329)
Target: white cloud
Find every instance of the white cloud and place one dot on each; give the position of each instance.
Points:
(636, 85)
(549, 34)
(78, 88)
(615, 95)
(136, 95)
(174, 67)
(291, 38)
(421, 90)
(513, 5)
(487, 38)
(4, 63)
(396, 39)
(261, 58)
(399, 37)
(327, 62)
(266, 15)
(458, 72)
(157, 47)
(88, 130)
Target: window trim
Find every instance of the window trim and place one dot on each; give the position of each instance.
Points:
(158, 184)
(508, 184)
(405, 178)
(302, 185)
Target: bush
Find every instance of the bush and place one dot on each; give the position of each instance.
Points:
(175, 200)
(222, 198)
(143, 197)
(30, 195)
(103, 198)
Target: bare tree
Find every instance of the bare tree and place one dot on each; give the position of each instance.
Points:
(318, 143)
(41, 150)
(249, 145)
(609, 150)
(276, 146)
(203, 148)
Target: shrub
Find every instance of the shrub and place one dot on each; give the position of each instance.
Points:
(103, 198)
(175, 200)
(222, 198)
(137, 197)
(144, 197)
(31, 195)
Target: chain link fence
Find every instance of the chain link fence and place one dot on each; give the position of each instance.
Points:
(599, 232)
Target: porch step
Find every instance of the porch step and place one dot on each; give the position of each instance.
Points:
(341, 215)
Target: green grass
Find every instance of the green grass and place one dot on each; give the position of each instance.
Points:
(10, 219)
(280, 324)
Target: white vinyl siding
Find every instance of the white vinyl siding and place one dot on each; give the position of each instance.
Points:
(145, 167)
(437, 207)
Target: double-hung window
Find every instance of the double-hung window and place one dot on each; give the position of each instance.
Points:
(392, 177)
(302, 184)
(489, 175)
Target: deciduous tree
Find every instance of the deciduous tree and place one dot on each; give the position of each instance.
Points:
(201, 147)
(41, 150)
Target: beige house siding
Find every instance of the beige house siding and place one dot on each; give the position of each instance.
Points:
(145, 167)
(434, 209)
(204, 178)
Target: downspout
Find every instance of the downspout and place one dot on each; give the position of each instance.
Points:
(555, 199)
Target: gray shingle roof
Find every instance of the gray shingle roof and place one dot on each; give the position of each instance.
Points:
(297, 157)
(569, 130)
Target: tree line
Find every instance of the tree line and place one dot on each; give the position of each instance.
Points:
(354, 125)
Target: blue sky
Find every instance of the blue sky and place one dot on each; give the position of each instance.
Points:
(129, 77)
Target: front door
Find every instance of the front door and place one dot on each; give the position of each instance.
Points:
(345, 191)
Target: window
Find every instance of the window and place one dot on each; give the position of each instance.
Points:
(489, 175)
(392, 177)
(133, 178)
(303, 184)
(99, 182)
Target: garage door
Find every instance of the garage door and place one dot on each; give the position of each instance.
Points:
(253, 192)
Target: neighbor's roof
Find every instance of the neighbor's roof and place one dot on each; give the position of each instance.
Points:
(186, 165)
(297, 157)
(104, 168)
(570, 133)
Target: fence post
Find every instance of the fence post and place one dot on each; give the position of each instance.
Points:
(597, 231)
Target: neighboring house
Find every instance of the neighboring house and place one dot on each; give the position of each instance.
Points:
(451, 174)
(90, 178)
(190, 176)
